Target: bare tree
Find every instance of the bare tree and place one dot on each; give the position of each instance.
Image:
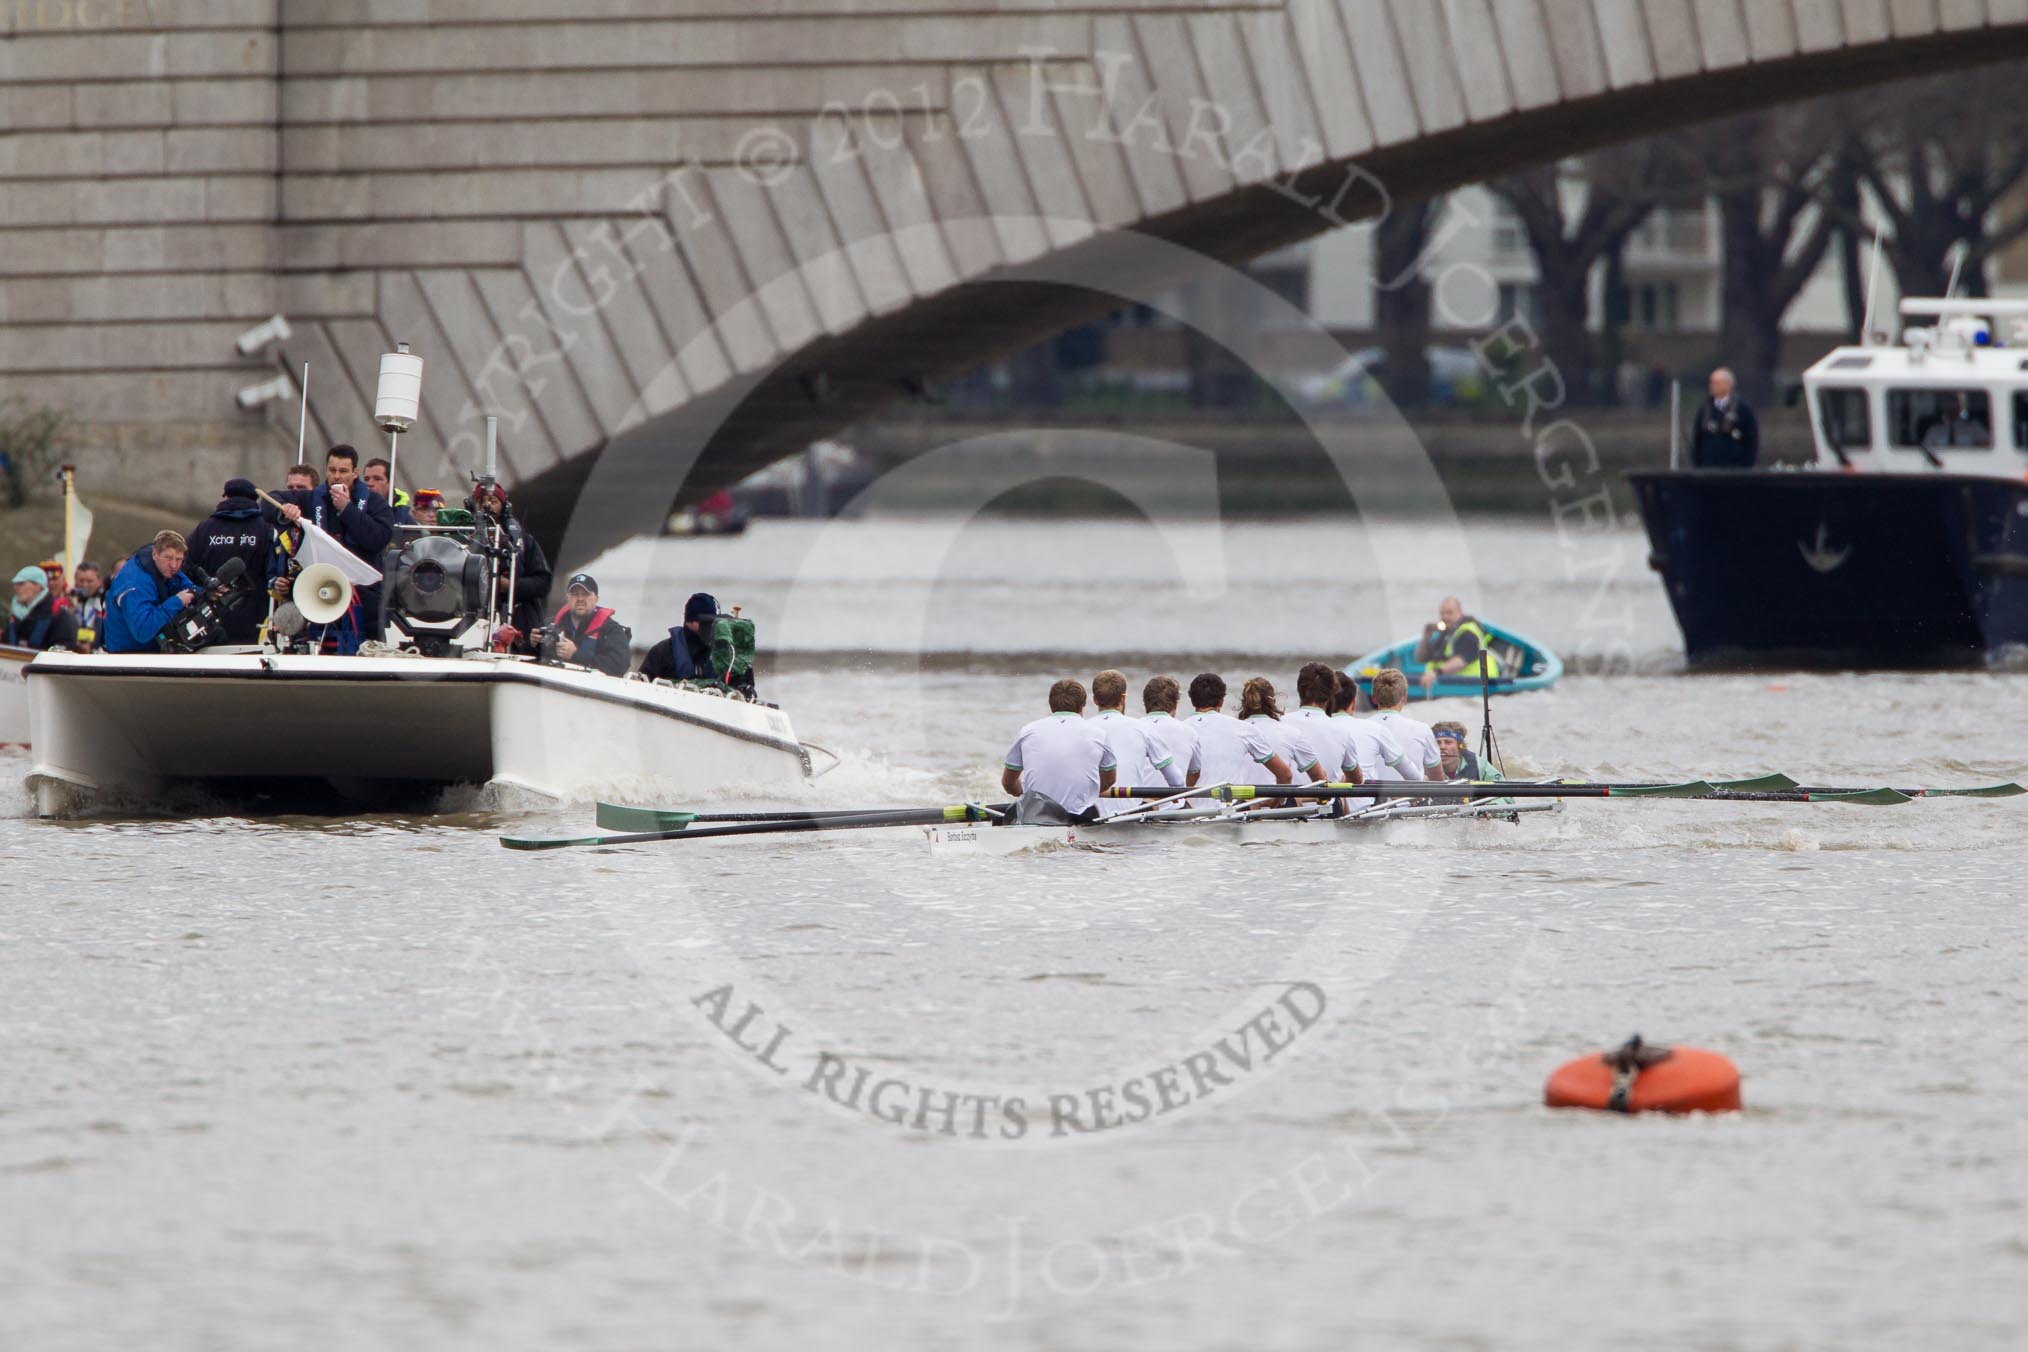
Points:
(1769, 174)
(1401, 299)
(1943, 161)
(1575, 214)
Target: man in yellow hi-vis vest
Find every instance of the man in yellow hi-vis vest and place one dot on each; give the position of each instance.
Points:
(1451, 647)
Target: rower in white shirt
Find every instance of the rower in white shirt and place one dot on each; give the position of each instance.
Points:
(1336, 747)
(1228, 750)
(1258, 707)
(1062, 756)
(1380, 756)
(1390, 697)
(1140, 757)
(1159, 698)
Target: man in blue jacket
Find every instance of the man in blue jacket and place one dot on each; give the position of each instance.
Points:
(148, 592)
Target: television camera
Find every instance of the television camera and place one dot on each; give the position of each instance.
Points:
(202, 623)
(443, 582)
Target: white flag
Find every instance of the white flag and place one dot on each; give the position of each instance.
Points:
(77, 529)
(319, 546)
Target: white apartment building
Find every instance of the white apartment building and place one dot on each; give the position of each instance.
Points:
(1482, 272)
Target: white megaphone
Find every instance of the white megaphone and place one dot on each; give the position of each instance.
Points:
(322, 592)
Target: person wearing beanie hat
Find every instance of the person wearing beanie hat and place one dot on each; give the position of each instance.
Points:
(237, 529)
(428, 502)
(34, 619)
(686, 654)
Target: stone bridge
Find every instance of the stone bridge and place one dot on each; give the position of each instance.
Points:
(669, 241)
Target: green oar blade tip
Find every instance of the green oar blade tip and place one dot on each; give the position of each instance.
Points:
(1696, 788)
(1775, 783)
(620, 817)
(1865, 798)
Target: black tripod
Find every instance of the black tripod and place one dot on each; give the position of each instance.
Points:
(1489, 748)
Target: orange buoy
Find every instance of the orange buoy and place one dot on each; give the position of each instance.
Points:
(1640, 1077)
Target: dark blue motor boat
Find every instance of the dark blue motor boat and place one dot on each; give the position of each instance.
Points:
(1904, 545)
(1840, 570)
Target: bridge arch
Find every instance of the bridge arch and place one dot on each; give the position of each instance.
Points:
(830, 208)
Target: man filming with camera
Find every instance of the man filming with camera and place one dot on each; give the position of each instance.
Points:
(236, 529)
(149, 591)
(585, 632)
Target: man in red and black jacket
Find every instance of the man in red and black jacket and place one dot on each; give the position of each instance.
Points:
(586, 633)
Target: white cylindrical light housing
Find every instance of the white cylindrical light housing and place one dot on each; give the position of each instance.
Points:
(399, 399)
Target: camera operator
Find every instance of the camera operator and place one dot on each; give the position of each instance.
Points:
(148, 591)
(586, 633)
(236, 529)
(531, 572)
(686, 654)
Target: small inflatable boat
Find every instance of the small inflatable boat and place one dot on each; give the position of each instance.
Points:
(1524, 665)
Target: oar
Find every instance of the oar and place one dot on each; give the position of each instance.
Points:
(1780, 784)
(1983, 791)
(1499, 788)
(926, 816)
(1447, 792)
(620, 817)
(1774, 783)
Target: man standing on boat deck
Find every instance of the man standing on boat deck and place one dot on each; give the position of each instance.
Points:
(1139, 755)
(1390, 697)
(530, 574)
(148, 592)
(374, 474)
(357, 518)
(1452, 646)
(236, 530)
(1159, 700)
(586, 633)
(88, 603)
(1724, 433)
(1381, 759)
(1228, 750)
(1063, 756)
(428, 502)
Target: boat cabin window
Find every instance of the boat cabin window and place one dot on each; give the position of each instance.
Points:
(2021, 420)
(1940, 419)
(1846, 418)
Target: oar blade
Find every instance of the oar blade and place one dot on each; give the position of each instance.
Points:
(1775, 783)
(620, 817)
(1862, 798)
(1987, 791)
(549, 843)
(1696, 788)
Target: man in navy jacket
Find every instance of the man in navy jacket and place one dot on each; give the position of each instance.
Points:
(358, 518)
(235, 530)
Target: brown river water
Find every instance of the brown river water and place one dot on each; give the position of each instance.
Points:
(378, 1083)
